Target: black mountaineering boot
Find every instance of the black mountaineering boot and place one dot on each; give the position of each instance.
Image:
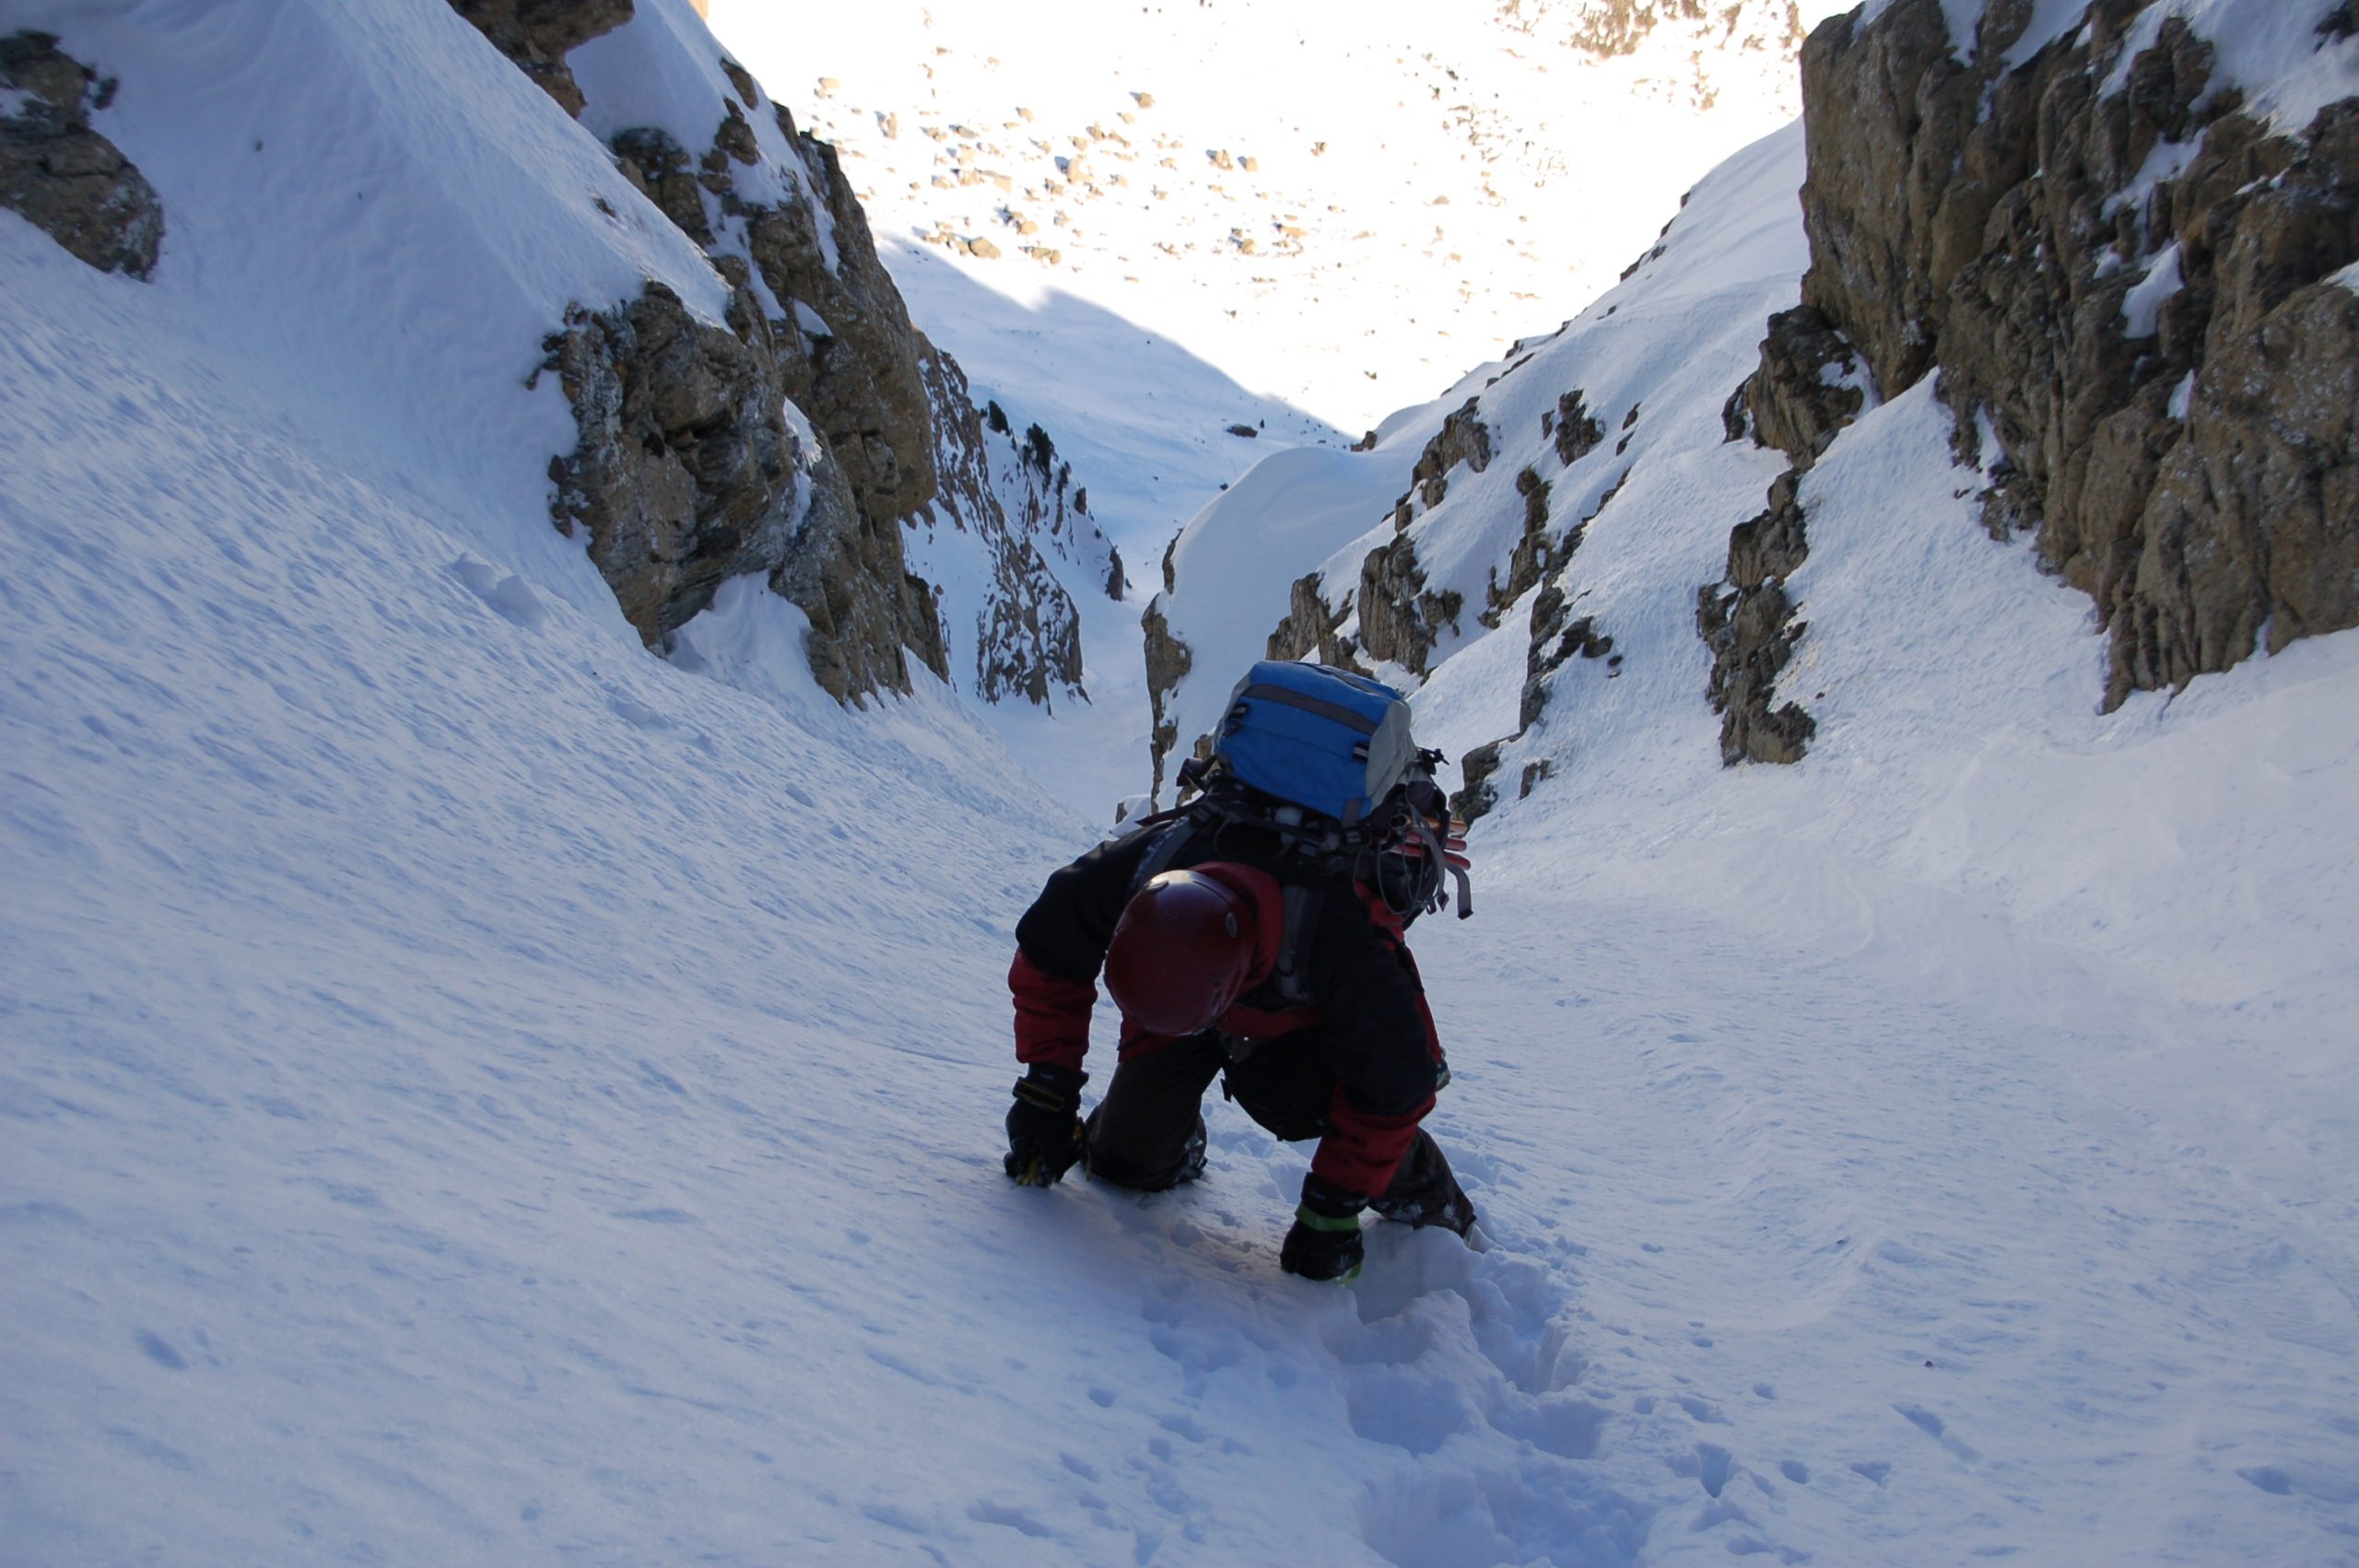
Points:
(1191, 1156)
(1424, 1192)
(1324, 1243)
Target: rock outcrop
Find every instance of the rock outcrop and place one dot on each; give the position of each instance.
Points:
(1803, 393)
(850, 358)
(1808, 388)
(691, 468)
(61, 175)
(1536, 556)
(1309, 625)
(1477, 795)
(1573, 428)
(1015, 500)
(685, 473)
(1462, 439)
(1748, 623)
(1169, 660)
(2124, 283)
(538, 34)
(1401, 618)
(1558, 637)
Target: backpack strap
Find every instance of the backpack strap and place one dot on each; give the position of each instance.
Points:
(1171, 838)
(1292, 972)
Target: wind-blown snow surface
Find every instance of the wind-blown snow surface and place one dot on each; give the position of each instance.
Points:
(471, 1092)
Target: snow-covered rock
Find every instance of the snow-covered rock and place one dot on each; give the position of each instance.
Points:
(1009, 527)
(63, 176)
(2200, 518)
(1556, 574)
(790, 432)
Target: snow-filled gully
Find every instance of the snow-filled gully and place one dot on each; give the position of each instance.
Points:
(471, 1091)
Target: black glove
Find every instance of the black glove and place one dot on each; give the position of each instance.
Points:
(1325, 1240)
(1044, 1125)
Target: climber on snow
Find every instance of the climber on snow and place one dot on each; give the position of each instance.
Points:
(1256, 935)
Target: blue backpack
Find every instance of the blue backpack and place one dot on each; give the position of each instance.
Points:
(1324, 759)
(1321, 738)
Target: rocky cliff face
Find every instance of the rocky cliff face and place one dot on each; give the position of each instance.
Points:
(802, 437)
(2124, 281)
(61, 175)
(837, 343)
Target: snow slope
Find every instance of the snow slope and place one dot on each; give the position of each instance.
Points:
(2088, 921)
(1654, 359)
(472, 1092)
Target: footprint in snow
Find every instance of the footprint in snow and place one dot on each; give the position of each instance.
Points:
(1935, 1428)
(161, 1351)
(505, 592)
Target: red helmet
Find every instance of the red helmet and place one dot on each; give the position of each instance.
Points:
(1182, 953)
